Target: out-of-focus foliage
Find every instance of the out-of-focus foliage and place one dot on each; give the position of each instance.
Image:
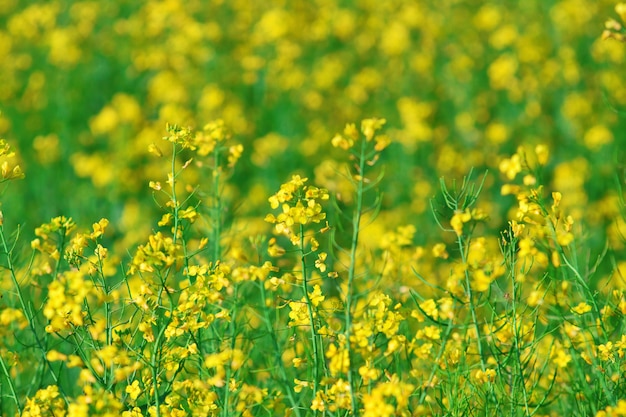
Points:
(88, 85)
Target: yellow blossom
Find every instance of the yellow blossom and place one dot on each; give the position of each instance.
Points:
(581, 308)
(133, 390)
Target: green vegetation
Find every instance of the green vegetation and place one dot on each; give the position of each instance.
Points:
(324, 208)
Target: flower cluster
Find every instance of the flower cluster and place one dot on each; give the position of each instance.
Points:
(614, 29)
(158, 253)
(369, 127)
(46, 401)
(300, 205)
(9, 169)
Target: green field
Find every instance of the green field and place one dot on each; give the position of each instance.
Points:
(312, 208)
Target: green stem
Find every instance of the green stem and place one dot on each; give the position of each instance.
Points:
(173, 196)
(305, 288)
(516, 330)
(277, 351)
(29, 316)
(13, 395)
(233, 319)
(356, 223)
(437, 361)
(107, 378)
(155, 358)
(154, 369)
(463, 251)
(590, 296)
(217, 221)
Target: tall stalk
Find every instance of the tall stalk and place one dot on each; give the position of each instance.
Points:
(356, 227)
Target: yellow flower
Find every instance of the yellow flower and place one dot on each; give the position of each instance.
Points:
(135, 412)
(429, 332)
(339, 141)
(542, 153)
(510, 167)
(581, 308)
(430, 308)
(561, 358)
(54, 355)
(605, 352)
(300, 385)
(316, 296)
(166, 219)
(189, 214)
(369, 373)
(319, 262)
(318, 403)
(351, 131)
(488, 375)
(597, 136)
(458, 219)
(370, 126)
(516, 228)
(382, 141)
(339, 360)
(133, 390)
(299, 314)
(99, 228)
(234, 153)
(439, 251)
(497, 133)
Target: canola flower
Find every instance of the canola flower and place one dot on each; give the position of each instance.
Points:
(349, 297)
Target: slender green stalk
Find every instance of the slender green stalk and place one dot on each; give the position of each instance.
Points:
(154, 368)
(590, 297)
(278, 358)
(463, 248)
(173, 196)
(27, 312)
(574, 268)
(158, 342)
(217, 209)
(356, 227)
(305, 288)
(107, 378)
(437, 360)
(516, 328)
(13, 395)
(231, 331)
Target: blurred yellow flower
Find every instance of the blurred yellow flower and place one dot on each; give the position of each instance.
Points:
(597, 136)
(581, 308)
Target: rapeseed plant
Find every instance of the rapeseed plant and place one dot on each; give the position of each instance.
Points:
(188, 298)
(171, 335)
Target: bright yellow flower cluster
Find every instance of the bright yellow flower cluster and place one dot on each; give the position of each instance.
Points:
(9, 169)
(45, 402)
(461, 217)
(334, 398)
(619, 410)
(158, 253)
(66, 299)
(376, 403)
(369, 127)
(300, 205)
(614, 29)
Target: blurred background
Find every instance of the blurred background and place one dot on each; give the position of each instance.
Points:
(87, 86)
